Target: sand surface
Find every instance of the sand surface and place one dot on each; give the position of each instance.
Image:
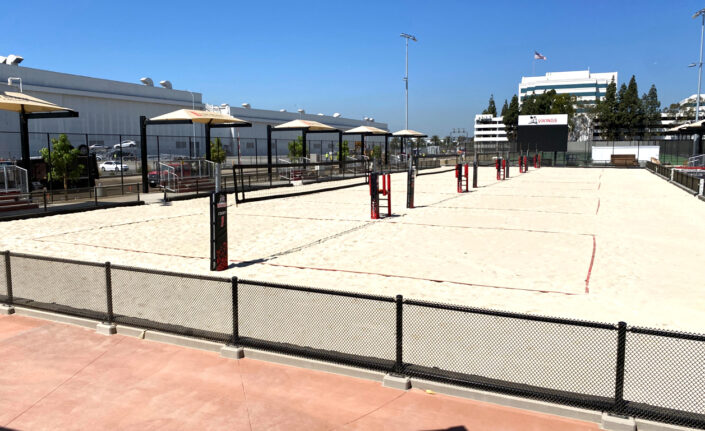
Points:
(527, 244)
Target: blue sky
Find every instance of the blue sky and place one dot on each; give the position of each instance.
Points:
(348, 57)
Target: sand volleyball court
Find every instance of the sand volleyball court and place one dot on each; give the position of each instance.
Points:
(594, 244)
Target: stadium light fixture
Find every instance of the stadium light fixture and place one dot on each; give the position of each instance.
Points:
(246, 105)
(166, 84)
(336, 115)
(147, 81)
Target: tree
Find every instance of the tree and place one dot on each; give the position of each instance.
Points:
(652, 110)
(491, 108)
(377, 152)
(296, 148)
(505, 107)
(436, 140)
(631, 117)
(606, 112)
(217, 151)
(510, 118)
(345, 150)
(63, 161)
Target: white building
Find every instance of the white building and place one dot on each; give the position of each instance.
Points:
(585, 86)
(490, 134)
(109, 113)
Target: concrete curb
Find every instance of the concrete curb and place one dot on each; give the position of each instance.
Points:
(182, 341)
(106, 328)
(617, 423)
(232, 352)
(396, 382)
(644, 425)
(130, 331)
(312, 364)
(6, 310)
(509, 401)
(54, 317)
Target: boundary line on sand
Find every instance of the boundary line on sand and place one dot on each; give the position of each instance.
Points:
(592, 261)
(324, 269)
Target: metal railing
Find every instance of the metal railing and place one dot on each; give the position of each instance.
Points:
(14, 178)
(697, 161)
(625, 370)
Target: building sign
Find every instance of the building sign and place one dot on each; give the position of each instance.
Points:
(219, 231)
(544, 120)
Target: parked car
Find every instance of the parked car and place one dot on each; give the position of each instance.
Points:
(125, 144)
(112, 166)
(97, 148)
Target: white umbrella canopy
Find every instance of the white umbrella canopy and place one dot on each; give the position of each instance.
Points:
(367, 130)
(17, 102)
(198, 116)
(409, 133)
(308, 125)
(688, 126)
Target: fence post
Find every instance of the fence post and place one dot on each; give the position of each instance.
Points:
(236, 334)
(619, 403)
(109, 292)
(399, 364)
(701, 187)
(8, 277)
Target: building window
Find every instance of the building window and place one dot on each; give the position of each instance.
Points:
(181, 144)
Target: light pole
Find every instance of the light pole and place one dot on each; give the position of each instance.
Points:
(696, 141)
(406, 75)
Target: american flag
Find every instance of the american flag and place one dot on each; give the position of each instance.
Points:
(538, 56)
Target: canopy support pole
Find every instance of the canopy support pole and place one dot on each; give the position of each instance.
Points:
(208, 141)
(362, 147)
(269, 152)
(24, 139)
(340, 149)
(143, 156)
(386, 149)
(303, 149)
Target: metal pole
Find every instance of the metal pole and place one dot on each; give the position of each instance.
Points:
(697, 103)
(236, 334)
(399, 364)
(109, 292)
(406, 82)
(8, 277)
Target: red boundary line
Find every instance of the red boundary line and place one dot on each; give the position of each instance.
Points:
(321, 269)
(598, 206)
(592, 261)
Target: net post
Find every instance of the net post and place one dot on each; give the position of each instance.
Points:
(109, 292)
(619, 403)
(398, 363)
(474, 173)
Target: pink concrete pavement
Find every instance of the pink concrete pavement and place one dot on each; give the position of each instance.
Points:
(56, 376)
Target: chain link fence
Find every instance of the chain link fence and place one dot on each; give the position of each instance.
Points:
(690, 181)
(641, 372)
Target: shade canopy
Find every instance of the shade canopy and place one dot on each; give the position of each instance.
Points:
(199, 117)
(18, 102)
(406, 133)
(698, 125)
(307, 125)
(367, 130)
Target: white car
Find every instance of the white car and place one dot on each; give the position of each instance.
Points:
(113, 166)
(125, 144)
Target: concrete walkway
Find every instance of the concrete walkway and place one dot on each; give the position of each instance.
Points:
(56, 376)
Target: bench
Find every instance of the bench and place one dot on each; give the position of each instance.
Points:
(624, 160)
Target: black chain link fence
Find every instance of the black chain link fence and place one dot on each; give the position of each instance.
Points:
(646, 373)
(551, 359)
(688, 180)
